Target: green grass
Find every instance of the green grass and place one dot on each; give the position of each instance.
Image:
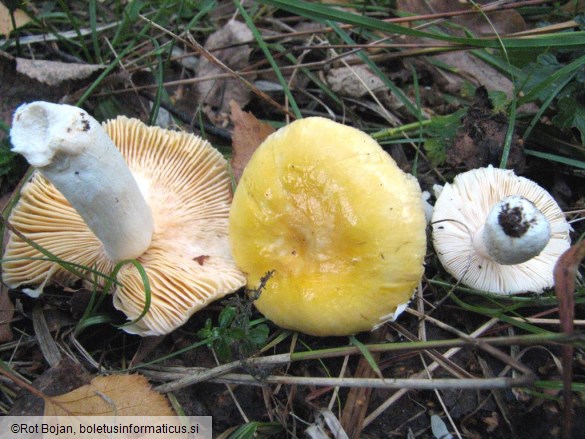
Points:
(135, 41)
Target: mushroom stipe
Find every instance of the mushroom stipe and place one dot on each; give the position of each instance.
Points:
(498, 232)
(182, 224)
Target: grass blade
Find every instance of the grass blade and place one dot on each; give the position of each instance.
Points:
(324, 12)
(264, 47)
(145, 283)
(395, 90)
(367, 355)
(556, 158)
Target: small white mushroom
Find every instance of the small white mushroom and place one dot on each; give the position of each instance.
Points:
(497, 232)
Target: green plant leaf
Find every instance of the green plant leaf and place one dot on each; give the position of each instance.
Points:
(226, 317)
(540, 71)
(435, 148)
(96, 319)
(145, 283)
(259, 334)
(571, 114)
(236, 333)
(547, 73)
(367, 355)
(223, 350)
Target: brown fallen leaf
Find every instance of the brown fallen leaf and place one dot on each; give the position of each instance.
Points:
(6, 24)
(16, 88)
(499, 22)
(574, 7)
(468, 67)
(25, 81)
(114, 395)
(492, 422)
(54, 73)
(565, 273)
(225, 44)
(248, 134)
(354, 81)
(359, 81)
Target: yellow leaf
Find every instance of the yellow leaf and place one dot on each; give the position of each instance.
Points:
(20, 19)
(115, 395)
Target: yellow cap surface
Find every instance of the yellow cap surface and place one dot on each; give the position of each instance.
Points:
(343, 228)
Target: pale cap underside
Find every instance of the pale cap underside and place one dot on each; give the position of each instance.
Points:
(189, 264)
(461, 210)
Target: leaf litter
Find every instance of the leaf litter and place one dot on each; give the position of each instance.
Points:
(7, 15)
(464, 66)
(473, 138)
(226, 45)
(248, 134)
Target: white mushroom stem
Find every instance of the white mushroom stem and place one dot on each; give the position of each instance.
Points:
(515, 231)
(72, 150)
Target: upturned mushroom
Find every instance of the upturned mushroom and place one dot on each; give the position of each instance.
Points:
(101, 195)
(498, 232)
(340, 227)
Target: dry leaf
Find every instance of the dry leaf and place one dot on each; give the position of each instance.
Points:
(225, 45)
(565, 273)
(574, 7)
(54, 72)
(492, 422)
(500, 22)
(468, 67)
(115, 395)
(326, 425)
(359, 81)
(20, 19)
(354, 81)
(248, 134)
(145, 348)
(26, 81)
(471, 69)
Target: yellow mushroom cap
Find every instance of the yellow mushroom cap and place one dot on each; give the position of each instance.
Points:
(342, 227)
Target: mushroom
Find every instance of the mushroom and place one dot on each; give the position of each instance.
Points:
(498, 232)
(324, 209)
(102, 195)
